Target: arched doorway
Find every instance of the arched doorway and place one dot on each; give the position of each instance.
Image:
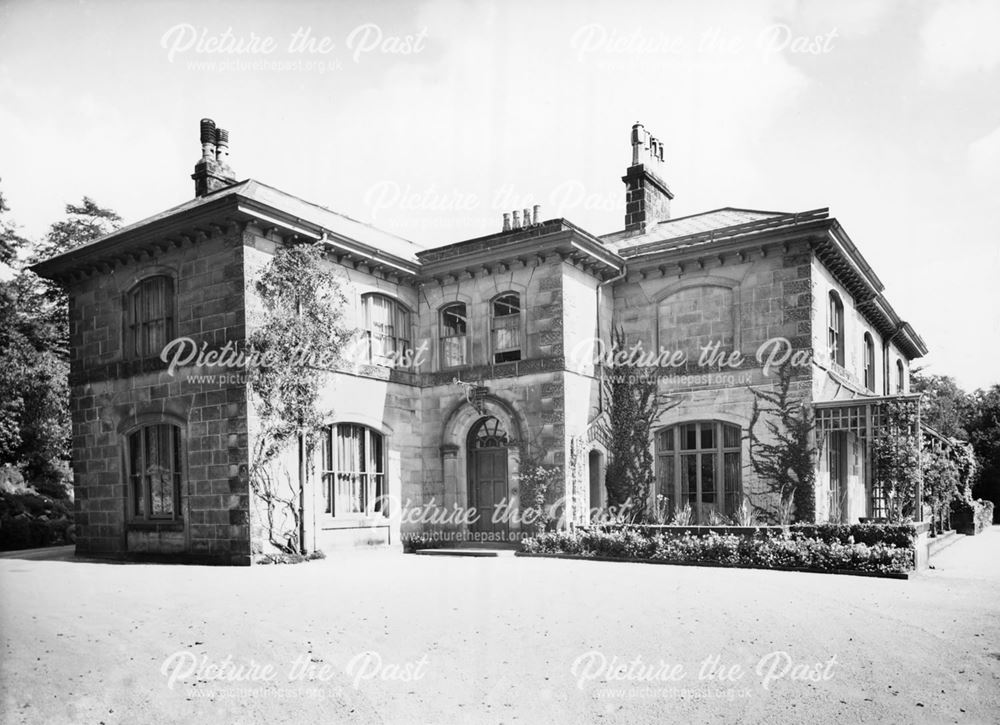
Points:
(488, 486)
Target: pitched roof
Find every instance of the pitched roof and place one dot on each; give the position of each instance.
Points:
(688, 225)
(262, 195)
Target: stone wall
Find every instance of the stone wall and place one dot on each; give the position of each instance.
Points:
(111, 395)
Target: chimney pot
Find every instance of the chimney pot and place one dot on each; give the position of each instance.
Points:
(207, 139)
(212, 171)
(527, 217)
(222, 145)
(506, 221)
(534, 215)
(517, 219)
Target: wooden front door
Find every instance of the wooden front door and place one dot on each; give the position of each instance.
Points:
(488, 494)
(489, 488)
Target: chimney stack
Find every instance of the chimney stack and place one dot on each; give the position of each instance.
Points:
(647, 196)
(212, 172)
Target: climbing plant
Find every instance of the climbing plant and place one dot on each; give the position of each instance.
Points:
(781, 452)
(896, 458)
(634, 403)
(298, 333)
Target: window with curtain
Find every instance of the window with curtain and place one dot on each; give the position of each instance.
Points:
(387, 326)
(154, 470)
(149, 317)
(453, 335)
(505, 326)
(353, 471)
(698, 464)
(836, 329)
(900, 377)
(869, 347)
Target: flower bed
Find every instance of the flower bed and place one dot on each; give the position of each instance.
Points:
(818, 548)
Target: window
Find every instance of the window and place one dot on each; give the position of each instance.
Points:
(154, 470)
(869, 346)
(505, 325)
(387, 326)
(698, 464)
(900, 377)
(836, 329)
(149, 317)
(353, 471)
(453, 330)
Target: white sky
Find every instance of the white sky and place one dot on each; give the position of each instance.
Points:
(894, 123)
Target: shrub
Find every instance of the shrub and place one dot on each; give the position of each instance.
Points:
(898, 535)
(825, 548)
(971, 516)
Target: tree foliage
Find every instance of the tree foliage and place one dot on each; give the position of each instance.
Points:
(944, 404)
(982, 422)
(781, 454)
(34, 390)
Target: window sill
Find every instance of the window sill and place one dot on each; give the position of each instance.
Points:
(356, 522)
(155, 526)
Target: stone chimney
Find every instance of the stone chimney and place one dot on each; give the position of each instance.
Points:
(212, 172)
(647, 196)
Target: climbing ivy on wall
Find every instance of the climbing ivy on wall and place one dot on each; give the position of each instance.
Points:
(300, 323)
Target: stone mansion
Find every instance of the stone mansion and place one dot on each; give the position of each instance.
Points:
(507, 322)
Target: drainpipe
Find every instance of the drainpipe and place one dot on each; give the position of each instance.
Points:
(600, 289)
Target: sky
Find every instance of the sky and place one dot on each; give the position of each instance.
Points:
(432, 119)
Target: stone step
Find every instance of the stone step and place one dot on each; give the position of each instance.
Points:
(465, 551)
(941, 541)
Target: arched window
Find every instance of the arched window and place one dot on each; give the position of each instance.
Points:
(900, 377)
(505, 326)
(869, 347)
(149, 317)
(698, 465)
(835, 326)
(154, 471)
(353, 471)
(387, 326)
(453, 335)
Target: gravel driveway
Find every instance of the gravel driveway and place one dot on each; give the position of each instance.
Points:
(385, 637)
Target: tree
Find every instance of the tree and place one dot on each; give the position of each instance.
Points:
(944, 403)
(634, 404)
(34, 390)
(289, 353)
(11, 241)
(84, 222)
(784, 459)
(982, 421)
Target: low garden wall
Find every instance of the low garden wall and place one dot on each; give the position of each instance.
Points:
(873, 549)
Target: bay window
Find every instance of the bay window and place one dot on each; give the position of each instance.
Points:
(698, 465)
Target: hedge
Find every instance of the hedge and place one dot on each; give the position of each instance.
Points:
(827, 552)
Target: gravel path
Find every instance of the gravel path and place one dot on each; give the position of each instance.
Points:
(383, 637)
